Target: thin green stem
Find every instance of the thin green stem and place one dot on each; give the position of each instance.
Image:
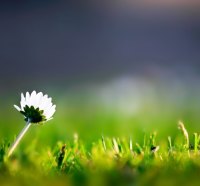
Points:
(196, 141)
(130, 144)
(103, 142)
(19, 137)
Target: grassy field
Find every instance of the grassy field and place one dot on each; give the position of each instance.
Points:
(91, 143)
(106, 161)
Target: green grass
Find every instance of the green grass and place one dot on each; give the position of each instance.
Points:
(105, 161)
(93, 143)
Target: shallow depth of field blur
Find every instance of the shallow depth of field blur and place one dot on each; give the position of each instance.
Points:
(119, 69)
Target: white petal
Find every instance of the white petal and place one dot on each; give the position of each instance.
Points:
(37, 99)
(47, 111)
(27, 99)
(49, 119)
(22, 97)
(51, 112)
(47, 107)
(48, 104)
(32, 98)
(22, 105)
(22, 102)
(17, 107)
(43, 102)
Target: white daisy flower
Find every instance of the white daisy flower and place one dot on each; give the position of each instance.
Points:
(36, 107)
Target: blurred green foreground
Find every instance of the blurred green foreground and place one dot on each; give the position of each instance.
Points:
(69, 150)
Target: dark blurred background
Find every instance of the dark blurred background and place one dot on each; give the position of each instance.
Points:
(121, 53)
(56, 42)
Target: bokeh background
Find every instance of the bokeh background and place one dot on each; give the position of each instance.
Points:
(117, 68)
